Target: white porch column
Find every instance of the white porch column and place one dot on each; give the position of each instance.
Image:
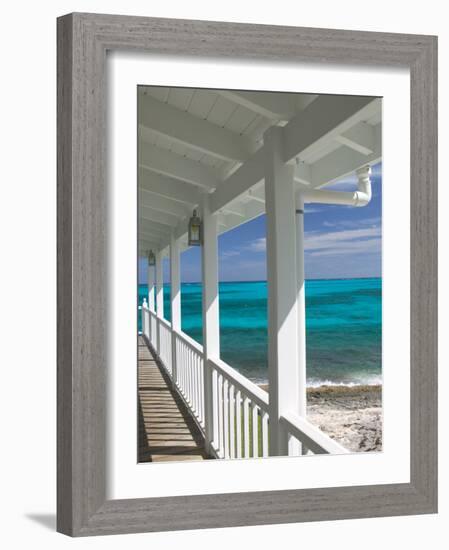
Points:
(159, 285)
(282, 288)
(211, 328)
(159, 297)
(301, 305)
(175, 296)
(151, 277)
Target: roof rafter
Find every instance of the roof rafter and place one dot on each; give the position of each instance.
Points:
(170, 188)
(145, 245)
(154, 227)
(272, 105)
(325, 118)
(344, 161)
(163, 204)
(151, 237)
(360, 138)
(163, 218)
(167, 163)
(187, 129)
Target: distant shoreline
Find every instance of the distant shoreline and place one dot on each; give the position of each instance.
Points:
(338, 390)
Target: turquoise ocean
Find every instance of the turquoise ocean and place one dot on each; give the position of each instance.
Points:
(343, 328)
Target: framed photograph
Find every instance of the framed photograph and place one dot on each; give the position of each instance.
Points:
(247, 274)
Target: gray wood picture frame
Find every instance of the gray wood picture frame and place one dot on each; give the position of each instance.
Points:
(83, 40)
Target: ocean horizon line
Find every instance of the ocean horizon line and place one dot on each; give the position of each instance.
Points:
(264, 280)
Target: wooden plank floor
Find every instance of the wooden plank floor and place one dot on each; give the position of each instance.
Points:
(167, 431)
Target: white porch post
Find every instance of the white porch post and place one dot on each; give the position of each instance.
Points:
(151, 288)
(159, 297)
(301, 305)
(282, 288)
(175, 296)
(211, 329)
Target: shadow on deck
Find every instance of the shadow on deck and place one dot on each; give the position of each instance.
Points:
(167, 431)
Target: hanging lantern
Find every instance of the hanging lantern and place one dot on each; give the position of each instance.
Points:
(195, 230)
(151, 258)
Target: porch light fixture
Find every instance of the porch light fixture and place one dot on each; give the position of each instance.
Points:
(195, 230)
(151, 258)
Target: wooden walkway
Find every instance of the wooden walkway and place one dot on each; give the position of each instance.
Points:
(167, 431)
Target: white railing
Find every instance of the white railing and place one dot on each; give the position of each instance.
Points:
(240, 408)
(164, 347)
(190, 373)
(240, 414)
(145, 320)
(313, 438)
(153, 331)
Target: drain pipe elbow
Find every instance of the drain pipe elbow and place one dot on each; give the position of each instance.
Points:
(363, 194)
(361, 197)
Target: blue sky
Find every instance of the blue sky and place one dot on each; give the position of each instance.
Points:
(340, 242)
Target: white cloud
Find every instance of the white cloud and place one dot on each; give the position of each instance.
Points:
(312, 210)
(369, 246)
(259, 245)
(348, 241)
(373, 222)
(230, 253)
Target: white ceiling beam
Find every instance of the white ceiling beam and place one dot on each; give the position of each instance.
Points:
(144, 235)
(254, 209)
(238, 209)
(344, 161)
(257, 195)
(159, 217)
(231, 220)
(360, 138)
(162, 204)
(273, 105)
(303, 173)
(170, 188)
(187, 129)
(145, 245)
(170, 164)
(182, 228)
(154, 227)
(325, 118)
(250, 173)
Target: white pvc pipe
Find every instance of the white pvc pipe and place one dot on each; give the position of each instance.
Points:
(361, 197)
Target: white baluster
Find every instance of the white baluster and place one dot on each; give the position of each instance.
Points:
(246, 426)
(238, 405)
(231, 421)
(255, 425)
(264, 434)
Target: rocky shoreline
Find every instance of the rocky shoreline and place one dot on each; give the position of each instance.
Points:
(352, 415)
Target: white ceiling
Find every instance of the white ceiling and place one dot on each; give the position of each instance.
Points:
(192, 140)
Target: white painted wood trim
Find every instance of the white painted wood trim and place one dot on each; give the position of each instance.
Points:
(316, 440)
(282, 287)
(170, 164)
(159, 286)
(192, 131)
(211, 328)
(175, 298)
